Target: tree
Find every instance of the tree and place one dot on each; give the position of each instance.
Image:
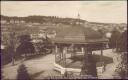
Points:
(23, 73)
(123, 66)
(114, 38)
(122, 42)
(45, 46)
(11, 47)
(101, 31)
(89, 65)
(26, 46)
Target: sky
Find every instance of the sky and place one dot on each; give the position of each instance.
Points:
(93, 11)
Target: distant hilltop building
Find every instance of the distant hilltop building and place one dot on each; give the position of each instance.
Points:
(78, 21)
(43, 34)
(2, 21)
(11, 21)
(108, 35)
(16, 21)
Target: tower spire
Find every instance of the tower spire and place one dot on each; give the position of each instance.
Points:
(78, 18)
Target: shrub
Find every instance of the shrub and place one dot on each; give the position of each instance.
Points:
(22, 73)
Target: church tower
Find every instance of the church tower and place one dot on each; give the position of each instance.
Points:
(78, 19)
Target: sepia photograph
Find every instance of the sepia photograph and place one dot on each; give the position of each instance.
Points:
(64, 40)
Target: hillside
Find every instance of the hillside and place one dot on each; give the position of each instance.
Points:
(54, 20)
(42, 19)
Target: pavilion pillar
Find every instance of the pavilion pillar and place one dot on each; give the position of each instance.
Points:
(84, 70)
(89, 50)
(73, 50)
(57, 54)
(56, 51)
(61, 53)
(101, 53)
(64, 56)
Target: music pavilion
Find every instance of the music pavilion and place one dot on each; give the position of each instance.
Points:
(74, 48)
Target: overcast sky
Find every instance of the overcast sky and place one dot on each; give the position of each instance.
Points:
(95, 11)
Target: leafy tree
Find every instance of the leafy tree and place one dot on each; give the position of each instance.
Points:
(23, 73)
(26, 46)
(114, 38)
(89, 65)
(45, 46)
(123, 66)
(122, 42)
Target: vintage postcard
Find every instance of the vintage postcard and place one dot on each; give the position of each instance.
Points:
(64, 40)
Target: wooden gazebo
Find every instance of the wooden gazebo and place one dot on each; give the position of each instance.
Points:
(74, 41)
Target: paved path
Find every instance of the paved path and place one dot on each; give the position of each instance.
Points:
(110, 68)
(42, 67)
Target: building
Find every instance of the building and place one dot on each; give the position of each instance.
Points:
(2, 46)
(3, 21)
(73, 50)
(37, 37)
(50, 32)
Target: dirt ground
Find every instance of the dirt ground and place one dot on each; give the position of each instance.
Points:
(43, 66)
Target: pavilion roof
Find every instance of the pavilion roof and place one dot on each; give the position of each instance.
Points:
(78, 34)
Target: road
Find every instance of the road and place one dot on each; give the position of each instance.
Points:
(42, 66)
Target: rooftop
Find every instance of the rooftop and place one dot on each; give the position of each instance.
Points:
(78, 34)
